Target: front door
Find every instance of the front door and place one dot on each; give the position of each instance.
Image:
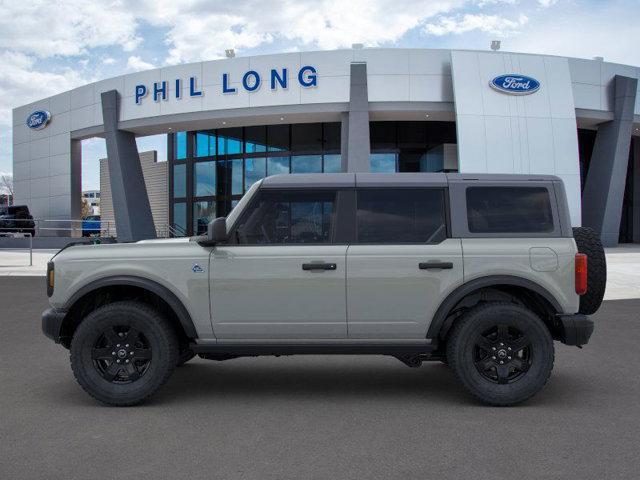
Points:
(282, 276)
(402, 265)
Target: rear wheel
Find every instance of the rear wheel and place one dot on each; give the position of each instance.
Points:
(501, 352)
(123, 352)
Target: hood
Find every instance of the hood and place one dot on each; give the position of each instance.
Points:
(166, 240)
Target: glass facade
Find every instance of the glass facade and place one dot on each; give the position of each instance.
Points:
(212, 169)
(408, 146)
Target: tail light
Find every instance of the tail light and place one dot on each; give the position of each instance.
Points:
(50, 278)
(581, 273)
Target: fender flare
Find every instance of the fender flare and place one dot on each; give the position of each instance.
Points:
(150, 285)
(438, 324)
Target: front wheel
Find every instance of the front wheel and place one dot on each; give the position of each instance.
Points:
(123, 352)
(501, 352)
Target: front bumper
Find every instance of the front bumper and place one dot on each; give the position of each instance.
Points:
(575, 329)
(52, 319)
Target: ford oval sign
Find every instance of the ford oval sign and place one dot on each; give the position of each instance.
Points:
(38, 119)
(515, 84)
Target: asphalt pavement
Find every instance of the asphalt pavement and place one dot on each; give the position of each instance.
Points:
(316, 417)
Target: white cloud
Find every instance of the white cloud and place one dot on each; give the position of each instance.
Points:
(491, 24)
(108, 61)
(547, 3)
(46, 28)
(21, 83)
(202, 30)
(136, 63)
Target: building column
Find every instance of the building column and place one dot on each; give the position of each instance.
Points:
(355, 157)
(635, 158)
(604, 187)
(131, 207)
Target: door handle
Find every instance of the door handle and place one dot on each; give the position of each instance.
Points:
(319, 266)
(435, 265)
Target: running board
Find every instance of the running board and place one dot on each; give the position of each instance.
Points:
(257, 349)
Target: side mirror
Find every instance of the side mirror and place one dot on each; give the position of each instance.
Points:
(217, 230)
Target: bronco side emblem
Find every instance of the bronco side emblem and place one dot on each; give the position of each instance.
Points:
(196, 268)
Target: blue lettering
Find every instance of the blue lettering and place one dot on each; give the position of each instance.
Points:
(310, 80)
(178, 91)
(225, 84)
(157, 90)
(192, 88)
(141, 91)
(275, 77)
(256, 81)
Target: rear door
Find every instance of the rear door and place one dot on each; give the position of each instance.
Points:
(402, 263)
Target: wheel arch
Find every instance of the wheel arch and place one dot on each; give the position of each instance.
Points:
(85, 299)
(511, 285)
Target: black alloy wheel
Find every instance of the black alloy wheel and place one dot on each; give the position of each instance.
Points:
(121, 354)
(502, 354)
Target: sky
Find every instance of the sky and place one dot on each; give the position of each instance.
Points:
(48, 47)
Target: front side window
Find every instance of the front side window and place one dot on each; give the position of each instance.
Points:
(401, 216)
(509, 210)
(280, 217)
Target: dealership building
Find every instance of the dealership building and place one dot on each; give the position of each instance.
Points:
(231, 122)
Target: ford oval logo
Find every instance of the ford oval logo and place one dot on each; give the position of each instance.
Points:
(515, 84)
(38, 119)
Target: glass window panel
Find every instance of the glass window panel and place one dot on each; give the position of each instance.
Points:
(254, 170)
(288, 217)
(229, 141)
(401, 216)
(277, 165)
(306, 164)
(332, 164)
(509, 210)
(383, 162)
(306, 137)
(383, 135)
(205, 144)
(179, 180)
(180, 145)
(255, 139)
(204, 179)
(180, 218)
(412, 135)
(332, 136)
(278, 137)
(203, 213)
(236, 177)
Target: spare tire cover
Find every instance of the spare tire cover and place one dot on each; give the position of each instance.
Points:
(588, 242)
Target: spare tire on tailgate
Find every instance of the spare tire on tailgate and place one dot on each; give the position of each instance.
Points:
(588, 242)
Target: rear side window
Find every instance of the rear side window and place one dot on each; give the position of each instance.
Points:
(401, 216)
(509, 210)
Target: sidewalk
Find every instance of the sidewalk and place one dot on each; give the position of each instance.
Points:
(623, 268)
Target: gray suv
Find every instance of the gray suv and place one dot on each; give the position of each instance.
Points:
(481, 272)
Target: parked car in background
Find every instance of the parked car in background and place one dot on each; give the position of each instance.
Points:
(91, 225)
(17, 219)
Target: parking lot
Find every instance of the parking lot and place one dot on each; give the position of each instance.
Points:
(316, 417)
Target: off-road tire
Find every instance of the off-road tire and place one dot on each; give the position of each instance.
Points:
(155, 330)
(462, 349)
(589, 243)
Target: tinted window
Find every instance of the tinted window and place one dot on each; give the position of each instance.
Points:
(180, 180)
(288, 217)
(509, 210)
(401, 216)
(204, 179)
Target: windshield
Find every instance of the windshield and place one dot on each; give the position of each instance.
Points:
(233, 215)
